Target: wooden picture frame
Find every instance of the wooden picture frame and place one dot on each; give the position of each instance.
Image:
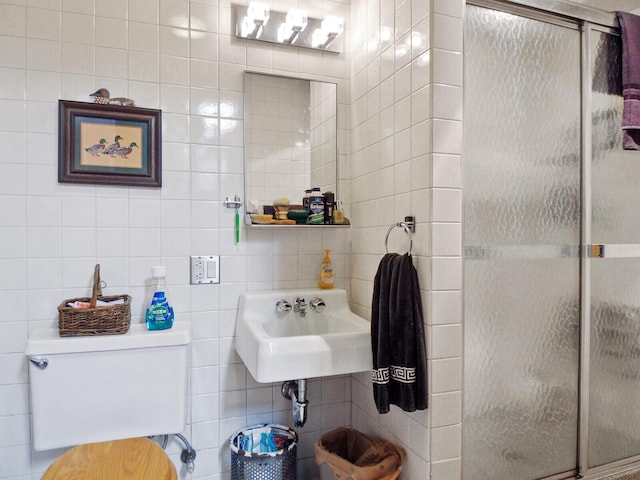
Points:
(109, 144)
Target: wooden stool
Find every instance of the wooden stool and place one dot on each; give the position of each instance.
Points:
(131, 459)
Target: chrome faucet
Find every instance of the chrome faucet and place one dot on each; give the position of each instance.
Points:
(283, 306)
(300, 306)
(317, 304)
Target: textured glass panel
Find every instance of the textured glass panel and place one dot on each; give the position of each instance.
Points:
(615, 172)
(614, 417)
(614, 420)
(521, 361)
(522, 130)
(522, 197)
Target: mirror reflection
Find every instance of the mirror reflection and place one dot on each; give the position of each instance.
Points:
(290, 140)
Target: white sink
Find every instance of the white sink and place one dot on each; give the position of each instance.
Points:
(280, 346)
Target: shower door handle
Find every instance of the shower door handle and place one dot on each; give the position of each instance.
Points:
(614, 250)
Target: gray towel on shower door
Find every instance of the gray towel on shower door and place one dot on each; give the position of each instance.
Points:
(630, 33)
(399, 372)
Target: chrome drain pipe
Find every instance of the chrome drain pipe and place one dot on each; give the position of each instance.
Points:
(296, 391)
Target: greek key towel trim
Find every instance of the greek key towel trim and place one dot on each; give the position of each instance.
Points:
(399, 374)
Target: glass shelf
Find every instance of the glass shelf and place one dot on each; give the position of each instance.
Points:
(299, 225)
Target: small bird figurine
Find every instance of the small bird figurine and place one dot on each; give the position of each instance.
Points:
(116, 144)
(103, 97)
(124, 151)
(96, 149)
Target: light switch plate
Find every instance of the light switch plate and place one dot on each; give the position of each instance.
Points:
(205, 269)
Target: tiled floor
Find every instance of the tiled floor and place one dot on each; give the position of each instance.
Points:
(635, 475)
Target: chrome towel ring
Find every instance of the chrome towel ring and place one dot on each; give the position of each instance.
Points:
(409, 227)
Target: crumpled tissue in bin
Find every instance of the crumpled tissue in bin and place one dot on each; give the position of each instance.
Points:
(261, 440)
(353, 455)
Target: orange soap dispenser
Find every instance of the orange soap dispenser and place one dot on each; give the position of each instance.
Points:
(326, 272)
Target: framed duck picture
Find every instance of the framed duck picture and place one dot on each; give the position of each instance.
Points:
(109, 144)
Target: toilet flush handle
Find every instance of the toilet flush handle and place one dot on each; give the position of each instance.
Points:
(41, 363)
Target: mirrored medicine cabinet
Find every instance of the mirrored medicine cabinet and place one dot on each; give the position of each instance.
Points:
(290, 140)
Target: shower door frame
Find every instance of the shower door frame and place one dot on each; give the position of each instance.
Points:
(591, 252)
(586, 20)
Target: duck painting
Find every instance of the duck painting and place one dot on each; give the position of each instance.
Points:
(103, 97)
(124, 151)
(96, 149)
(116, 144)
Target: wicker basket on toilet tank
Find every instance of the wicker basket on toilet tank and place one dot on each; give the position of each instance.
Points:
(94, 319)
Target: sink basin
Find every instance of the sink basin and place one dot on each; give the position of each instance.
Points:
(279, 346)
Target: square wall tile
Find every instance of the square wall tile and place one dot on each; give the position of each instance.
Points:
(446, 307)
(447, 32)
(111, 8)
(174, 41)
(447, 205)
(12, 53)
(77, 59)
(446, 443)
(446, 341)
(204, 17)
(111, 32)
(204, 46)
(41, 86)
(447, 469)
(446, 409)
(144, 11)
(447, 102)
(43, 24)
(447, 171)
(174, 70)
(174, 13)
(453, 8)
(144, 37)
(446, 375)
(447, 67)
(43, 54)
(446, 273)
(144, 66)
(113, 62)
(78, 28)
(13, 20)
(446, 239)
(447, 136)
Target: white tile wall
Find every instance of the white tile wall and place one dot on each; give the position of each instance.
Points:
(178, 56)
(406, 160)
(400, 113)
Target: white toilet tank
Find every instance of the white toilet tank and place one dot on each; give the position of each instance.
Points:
(108, 387)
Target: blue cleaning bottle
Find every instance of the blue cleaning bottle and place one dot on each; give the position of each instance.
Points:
(159, 313)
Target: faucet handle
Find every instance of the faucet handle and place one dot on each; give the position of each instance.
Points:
(317, 304)
(283, 306)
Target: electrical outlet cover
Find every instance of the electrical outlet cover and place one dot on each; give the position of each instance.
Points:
(205, 269)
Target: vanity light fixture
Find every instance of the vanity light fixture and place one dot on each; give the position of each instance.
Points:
(289, 30)
(258, 22)
(329, 30)
(255, 20)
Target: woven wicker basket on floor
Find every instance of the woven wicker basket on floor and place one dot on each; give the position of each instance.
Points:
(94, 320)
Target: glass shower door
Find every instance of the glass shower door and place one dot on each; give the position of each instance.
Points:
(522, 164)
(614, 360)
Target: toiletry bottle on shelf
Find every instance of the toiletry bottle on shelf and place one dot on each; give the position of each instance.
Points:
(159, 313)
(316, 202)
(328, 207)
(338, 213)
(326, 272)
(305, 199)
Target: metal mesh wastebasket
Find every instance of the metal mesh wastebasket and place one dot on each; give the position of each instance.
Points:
(276, 465)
